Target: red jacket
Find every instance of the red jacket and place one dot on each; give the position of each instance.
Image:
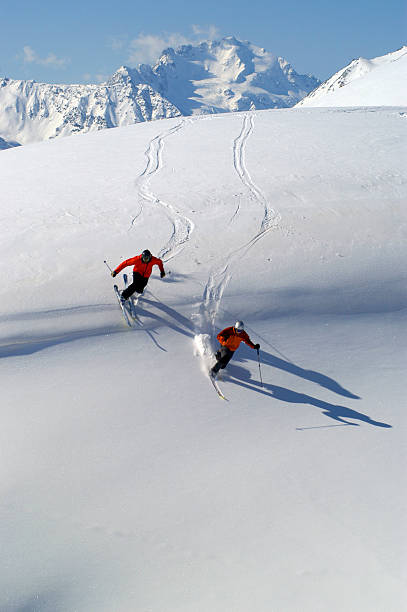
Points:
(140, 267)
(230, 338)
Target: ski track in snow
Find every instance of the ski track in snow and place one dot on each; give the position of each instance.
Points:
(239, 162)
(182, 226)
(220, 276)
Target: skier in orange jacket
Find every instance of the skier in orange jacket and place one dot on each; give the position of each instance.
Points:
(142, 269)
(230, 339)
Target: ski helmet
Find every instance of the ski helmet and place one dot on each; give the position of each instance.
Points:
(239, 326)
(146, 256)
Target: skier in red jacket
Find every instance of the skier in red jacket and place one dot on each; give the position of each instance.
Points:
(143, 265)
(230, 339)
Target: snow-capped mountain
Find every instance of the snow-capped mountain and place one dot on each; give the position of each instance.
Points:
(381, 81)
(226, 75)
(212, 77)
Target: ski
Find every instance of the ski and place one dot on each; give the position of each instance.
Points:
(217, 388)
(122, 306)
(132, 302)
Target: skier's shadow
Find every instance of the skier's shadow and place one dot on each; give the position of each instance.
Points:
(316, 377)
(181, 321)
(241, 377)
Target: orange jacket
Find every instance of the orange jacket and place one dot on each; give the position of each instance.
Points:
(230, 338)
(140, 267)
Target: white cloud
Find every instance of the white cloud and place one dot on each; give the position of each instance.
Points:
(117, 43)
(147, 48)
(102, 78)
(31, 57)
(210, 32)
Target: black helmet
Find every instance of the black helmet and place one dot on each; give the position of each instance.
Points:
(239, 326)
(146, 256)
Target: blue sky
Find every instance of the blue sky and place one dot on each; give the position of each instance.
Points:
(85, 42)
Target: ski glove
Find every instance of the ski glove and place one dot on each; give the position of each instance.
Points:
(114, 273)
(162, 274)
(257, 346)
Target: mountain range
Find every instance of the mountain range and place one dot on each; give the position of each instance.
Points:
(211, 77)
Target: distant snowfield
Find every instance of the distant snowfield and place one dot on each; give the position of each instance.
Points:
(126, 483)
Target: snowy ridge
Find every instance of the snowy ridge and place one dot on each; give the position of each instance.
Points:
(381, 81)
(217, 76)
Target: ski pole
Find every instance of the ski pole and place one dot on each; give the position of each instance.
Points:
(258, 358)
(108, 265)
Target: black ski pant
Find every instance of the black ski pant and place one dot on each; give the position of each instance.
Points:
(224, 355)
(138, 284)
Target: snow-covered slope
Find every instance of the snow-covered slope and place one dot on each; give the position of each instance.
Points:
(219, 76)
(381, 81)
(126, 483)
